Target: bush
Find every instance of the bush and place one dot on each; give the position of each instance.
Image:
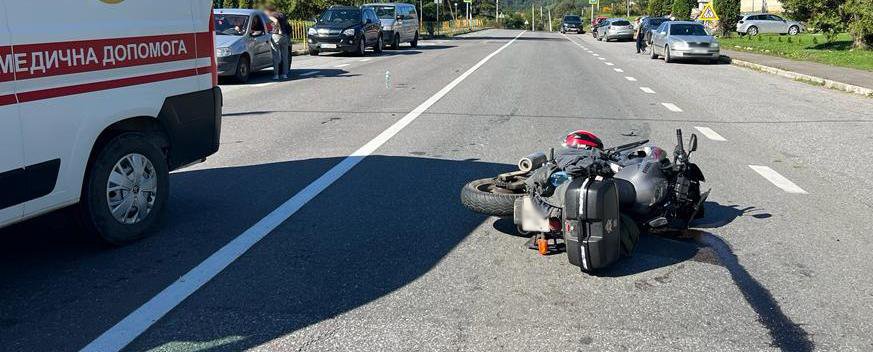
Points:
(728, 11)
(682, 8)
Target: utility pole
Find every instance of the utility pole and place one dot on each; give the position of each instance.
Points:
(550, 20)
(533, 13)
(628, 7)
(439, 23)
(541, 16)
(497, 13)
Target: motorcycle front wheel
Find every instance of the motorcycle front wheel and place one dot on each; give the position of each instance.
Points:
(487, 196)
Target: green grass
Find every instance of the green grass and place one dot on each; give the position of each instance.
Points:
(806, 47)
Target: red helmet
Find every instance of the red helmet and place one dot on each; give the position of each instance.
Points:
(582, 139)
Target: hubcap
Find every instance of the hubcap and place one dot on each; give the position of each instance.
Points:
(132, 189)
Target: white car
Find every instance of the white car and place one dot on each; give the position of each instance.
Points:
(753, 24)
(98, 103)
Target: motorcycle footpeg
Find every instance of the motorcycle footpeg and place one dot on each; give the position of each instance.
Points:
(658, 222)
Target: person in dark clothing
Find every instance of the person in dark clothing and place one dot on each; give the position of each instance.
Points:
(279, 43)
(641, 38)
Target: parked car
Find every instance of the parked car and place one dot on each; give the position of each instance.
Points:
(596, 22)
(753, 24)
(242, 42)
(684, 40)
(615, 28)
(399, 23)
(102, 107)
(649, 24)
(572, 23)
(346, 29)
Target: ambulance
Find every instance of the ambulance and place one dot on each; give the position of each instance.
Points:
(99, 101)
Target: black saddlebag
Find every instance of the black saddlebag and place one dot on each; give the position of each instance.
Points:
(592, 223)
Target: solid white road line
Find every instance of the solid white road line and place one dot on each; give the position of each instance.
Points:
(618, 70)
(777, 179)
(647, 90)
(143, 317)
(343, 65)
(709, 133)
(672, 107)
(609, 64)
(630, 78)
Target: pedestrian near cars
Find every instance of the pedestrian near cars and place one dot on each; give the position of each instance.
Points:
(641, 37)
(280, 41)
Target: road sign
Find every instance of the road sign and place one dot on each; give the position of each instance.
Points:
(708, 13)
(592, 2)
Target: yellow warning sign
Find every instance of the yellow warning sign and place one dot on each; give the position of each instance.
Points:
(708, 13)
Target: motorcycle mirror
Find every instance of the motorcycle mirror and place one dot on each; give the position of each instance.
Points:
(693, 143)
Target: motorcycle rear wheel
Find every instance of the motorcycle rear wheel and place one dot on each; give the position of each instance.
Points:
(485, 196)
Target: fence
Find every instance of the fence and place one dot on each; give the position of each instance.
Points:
(451, 27)
(298, 31)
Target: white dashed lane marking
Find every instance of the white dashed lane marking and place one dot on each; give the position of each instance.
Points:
(601, 58)
(596, 54)
(709, 133)
(618, 70)
(609, 63)
(777, 179)
(672, 107)
(630, 79)
(647, 90)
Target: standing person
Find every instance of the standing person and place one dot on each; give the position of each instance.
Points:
(641, 38)
(279, 42)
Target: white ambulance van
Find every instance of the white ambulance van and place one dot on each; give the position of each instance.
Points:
(99, 100)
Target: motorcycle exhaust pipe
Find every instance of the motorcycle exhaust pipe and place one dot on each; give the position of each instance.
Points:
(532, 162)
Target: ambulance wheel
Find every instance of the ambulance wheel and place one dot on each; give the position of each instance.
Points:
(126, 188)
(486, 197)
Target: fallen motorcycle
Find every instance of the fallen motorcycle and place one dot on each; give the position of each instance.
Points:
(593, 202)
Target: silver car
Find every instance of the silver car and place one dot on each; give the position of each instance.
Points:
(684, 40)
(614, 28)
(752, 24)
(399, 23)
(242, 42)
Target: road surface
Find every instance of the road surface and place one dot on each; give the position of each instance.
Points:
(351, 172)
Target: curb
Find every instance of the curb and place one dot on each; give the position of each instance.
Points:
(827, 83)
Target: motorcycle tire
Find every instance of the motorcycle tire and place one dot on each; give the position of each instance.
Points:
(486, 197)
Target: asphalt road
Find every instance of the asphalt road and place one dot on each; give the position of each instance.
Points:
(385, 257)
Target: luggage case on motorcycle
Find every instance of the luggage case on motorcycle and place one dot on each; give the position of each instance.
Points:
(592, 223)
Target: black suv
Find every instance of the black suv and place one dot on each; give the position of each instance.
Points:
(346, 29)
(572, 23)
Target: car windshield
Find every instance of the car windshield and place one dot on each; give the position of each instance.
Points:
(621, 23)
(572, 19)
(340, 16)
(687, 29)
(384, 12)
(231, 24)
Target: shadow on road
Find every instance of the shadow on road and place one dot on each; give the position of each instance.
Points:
(381, 226)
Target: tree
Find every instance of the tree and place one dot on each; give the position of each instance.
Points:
(728, 11)
(682, 8)
(230, 4)
(861, 22)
